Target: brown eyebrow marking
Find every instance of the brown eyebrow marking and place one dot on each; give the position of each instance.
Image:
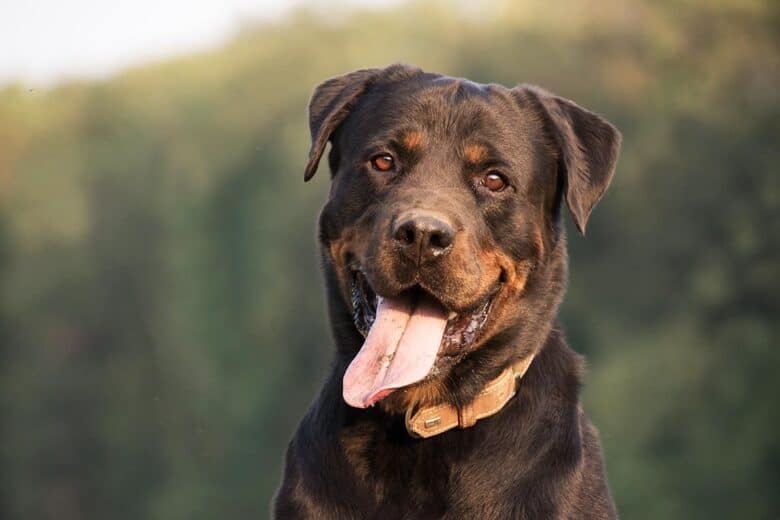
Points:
(475, 153)
(413, 140)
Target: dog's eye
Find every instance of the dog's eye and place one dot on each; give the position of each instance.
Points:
(494, 181)
(383, 162)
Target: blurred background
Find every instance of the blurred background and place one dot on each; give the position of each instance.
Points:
(161, 313)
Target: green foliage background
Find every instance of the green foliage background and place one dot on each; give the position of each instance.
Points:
(161, 315)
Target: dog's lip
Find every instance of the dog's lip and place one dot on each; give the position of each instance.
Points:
(364, 303)
(453, 310)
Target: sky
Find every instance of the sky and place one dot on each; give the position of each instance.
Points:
(45, 42)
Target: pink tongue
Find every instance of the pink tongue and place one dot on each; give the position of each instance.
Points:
(400, 349)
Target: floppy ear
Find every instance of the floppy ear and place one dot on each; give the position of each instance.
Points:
(589, 146)
(329, 106)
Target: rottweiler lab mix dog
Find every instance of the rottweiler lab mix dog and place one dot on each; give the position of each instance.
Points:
(453, 393)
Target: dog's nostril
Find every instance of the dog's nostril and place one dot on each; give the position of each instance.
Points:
(440, 239)
(405, 234)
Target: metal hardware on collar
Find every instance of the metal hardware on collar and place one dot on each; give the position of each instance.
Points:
(433, 420)
(430, 423)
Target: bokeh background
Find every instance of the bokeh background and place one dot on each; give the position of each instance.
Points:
(161, 314)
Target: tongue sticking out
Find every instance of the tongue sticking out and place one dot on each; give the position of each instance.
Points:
(400, 349)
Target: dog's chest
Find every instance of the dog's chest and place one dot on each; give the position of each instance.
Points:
(402, 477)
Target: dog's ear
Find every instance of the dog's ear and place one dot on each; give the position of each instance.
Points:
(589, 147)
(329, 106)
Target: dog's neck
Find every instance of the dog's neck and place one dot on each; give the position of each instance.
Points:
(428, 421)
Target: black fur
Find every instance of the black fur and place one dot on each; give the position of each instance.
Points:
(539, 457)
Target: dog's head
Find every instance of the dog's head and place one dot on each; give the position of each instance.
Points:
(442, 239)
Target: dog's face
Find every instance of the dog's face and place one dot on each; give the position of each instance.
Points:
(442, 229)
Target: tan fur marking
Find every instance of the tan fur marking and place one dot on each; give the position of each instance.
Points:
(475, 153)
(539, 242)
(338, 252)
(356, 442)
(413, 140)
(425, 394)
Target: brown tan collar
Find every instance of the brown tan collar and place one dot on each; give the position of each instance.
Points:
(433, 420)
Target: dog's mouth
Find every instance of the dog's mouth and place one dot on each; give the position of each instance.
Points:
(462, 329)
(405, 335)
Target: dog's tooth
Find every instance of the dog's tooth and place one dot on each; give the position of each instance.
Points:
(452, 315)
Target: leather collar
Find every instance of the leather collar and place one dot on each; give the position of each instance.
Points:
(432, 420)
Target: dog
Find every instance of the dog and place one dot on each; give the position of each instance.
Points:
(453, 393)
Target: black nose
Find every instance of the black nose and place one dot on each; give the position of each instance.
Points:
(423, 236)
